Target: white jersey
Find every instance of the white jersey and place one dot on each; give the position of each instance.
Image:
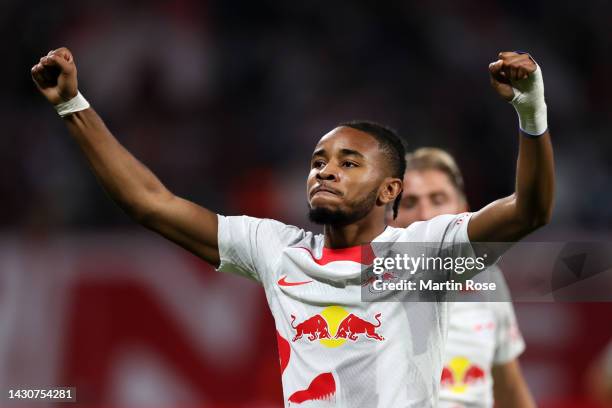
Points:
(336, 350)
(480, 335)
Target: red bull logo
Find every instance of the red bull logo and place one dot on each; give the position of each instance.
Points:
(335, 325)
(353, 325)
(385, 276)
(322, 387)
(284, 351)
(315, 327)
(460, 373)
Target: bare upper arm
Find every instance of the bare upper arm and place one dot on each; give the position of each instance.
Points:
(498, 222)
(189, 225)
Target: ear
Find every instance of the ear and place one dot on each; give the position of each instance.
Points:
(390, 189)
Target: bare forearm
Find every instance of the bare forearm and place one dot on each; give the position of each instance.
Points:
(129, 182)
(509, 387)
(134, 187)
(519, 397)
(535, 180)
(518, 80)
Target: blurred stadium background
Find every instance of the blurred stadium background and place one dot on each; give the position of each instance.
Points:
(224, 102)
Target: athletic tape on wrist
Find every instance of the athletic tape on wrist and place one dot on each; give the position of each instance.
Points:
(530, 105)
(76, 104)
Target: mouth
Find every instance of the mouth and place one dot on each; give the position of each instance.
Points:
(321, 189)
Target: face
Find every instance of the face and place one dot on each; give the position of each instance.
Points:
(427, 193)
(346, 181)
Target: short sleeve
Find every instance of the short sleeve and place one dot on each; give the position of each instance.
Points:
(252, 247)
(509, 343)
(449, 231)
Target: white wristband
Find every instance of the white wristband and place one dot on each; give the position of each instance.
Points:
(76, 104)
(529, 103)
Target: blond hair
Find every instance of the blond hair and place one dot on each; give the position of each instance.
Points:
(432, 158)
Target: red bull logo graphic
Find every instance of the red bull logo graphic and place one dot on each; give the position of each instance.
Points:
(284, 351)
(385, 276)
(460, 373)
(335, 325)
(353, 325)
(322, 387)
(315, 327)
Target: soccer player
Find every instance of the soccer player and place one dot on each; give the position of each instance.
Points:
(483, 343)
(335, 349)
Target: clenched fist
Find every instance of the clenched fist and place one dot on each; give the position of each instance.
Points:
(510, 71)
(55, 75)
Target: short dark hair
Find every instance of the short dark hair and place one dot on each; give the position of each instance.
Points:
(390, 144)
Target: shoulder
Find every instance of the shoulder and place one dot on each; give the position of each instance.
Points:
(434, 228)
(266, 229)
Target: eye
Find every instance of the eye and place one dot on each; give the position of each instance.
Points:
(439, 199)
(317, 164)
(349, 164)
(409, 202)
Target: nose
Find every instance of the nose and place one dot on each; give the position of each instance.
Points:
(424, 212)
(328, 173)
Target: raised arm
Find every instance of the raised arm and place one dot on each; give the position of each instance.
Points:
(129, 183)
(518, 79)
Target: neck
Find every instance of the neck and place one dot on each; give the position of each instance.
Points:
(358, 233)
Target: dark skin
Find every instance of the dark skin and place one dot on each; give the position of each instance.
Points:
(345, 167)
(142, 195)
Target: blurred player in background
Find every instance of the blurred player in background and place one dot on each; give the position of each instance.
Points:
(335, 349)
(483, 344)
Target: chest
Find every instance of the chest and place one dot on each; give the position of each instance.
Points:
(472, 332)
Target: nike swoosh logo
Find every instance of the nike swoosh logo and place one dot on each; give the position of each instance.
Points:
(283, 282)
